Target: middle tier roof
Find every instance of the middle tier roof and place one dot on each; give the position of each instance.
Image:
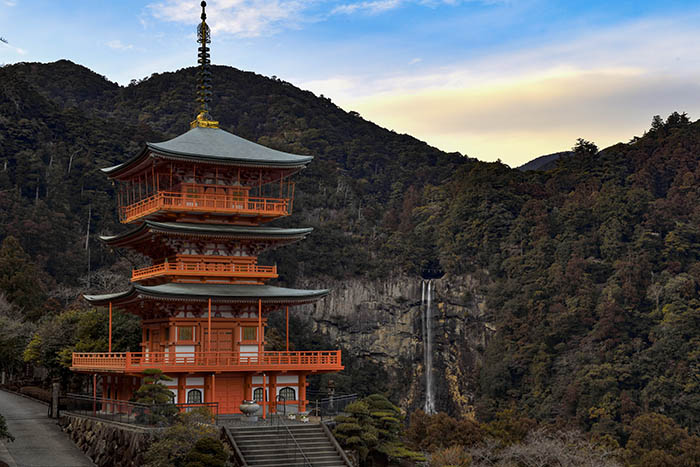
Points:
(149, 236)
(218, 293)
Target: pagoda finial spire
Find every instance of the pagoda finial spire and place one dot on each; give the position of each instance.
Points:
(204, 76)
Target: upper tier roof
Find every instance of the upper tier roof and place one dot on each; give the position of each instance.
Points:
(217, 146)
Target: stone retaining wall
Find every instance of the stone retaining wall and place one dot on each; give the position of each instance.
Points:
(108, 443)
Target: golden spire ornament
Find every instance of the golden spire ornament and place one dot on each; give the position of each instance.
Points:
(204, 75)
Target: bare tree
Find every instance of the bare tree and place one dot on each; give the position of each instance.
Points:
(545, 449)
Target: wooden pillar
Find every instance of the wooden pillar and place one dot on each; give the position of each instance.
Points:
(287, 316)
(94, 393)
(110, 327)
(273, 393)
(181, 394)
(264, 395)
(248, 389)
(209, 327)
(260, 343)
(212, 390)
(302, 392)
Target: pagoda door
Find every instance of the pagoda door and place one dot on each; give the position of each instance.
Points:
(230, 393)
(221, 340)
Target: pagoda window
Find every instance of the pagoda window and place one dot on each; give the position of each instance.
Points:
(185, 333)
(258, 395)
(288, 394)
(249, 333)
(194, 396)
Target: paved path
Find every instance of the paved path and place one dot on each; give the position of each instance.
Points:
(39, 442)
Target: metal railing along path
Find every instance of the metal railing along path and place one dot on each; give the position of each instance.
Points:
(133, 413)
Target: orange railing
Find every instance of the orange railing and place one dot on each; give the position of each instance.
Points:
(205, 202)
(205, 268)
(208, 361)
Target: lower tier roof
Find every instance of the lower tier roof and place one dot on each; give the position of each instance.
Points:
(219, 293)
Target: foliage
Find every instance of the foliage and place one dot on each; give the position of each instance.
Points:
(656, 441)
(439, 431)
(508, 427)
(453, 456)
(155, 394)
(372, 428)
(79, 330)
(207, 452)
(4, 432)
(183, 444)
(589, 269)
(20, 281)
(14, 337)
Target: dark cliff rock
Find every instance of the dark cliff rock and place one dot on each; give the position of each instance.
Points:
(381, 322)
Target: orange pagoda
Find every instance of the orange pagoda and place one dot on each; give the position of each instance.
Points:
(196, 204)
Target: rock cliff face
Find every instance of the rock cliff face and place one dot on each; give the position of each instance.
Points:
(381, 321)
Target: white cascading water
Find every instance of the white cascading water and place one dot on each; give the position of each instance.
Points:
(427, 323)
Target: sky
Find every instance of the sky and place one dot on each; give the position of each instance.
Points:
(492, 79)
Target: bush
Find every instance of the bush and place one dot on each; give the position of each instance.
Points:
(439, 431)
(175, 447)
(454, 456)
(207, 452)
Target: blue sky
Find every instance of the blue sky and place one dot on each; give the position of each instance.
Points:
(504, 79)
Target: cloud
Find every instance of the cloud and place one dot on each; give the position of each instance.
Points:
(9, 2)
(379, 6)
(604, 86)
(373, 7)
(244, 18)
(17, 50)
(415, 61)
(252, 18)
(118, 45)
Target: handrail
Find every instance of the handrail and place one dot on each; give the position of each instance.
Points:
(336, 445)
(236, 449)
(289, 433)
(205, 202)
(204, 267)
(126, 361)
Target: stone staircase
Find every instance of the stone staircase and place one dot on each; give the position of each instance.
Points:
(275, 446)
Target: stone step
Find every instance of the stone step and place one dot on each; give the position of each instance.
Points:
(291, 448)
(274, 430)
(331, 463)
(272, 446)
(280, 437)
(275, 427)
(291, 453)
(254, 448)
(298, 458)
(305, 434)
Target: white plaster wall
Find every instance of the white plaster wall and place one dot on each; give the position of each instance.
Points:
(195, 381)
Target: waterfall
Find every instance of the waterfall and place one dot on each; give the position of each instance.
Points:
(427, 324)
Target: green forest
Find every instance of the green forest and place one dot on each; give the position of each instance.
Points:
(590, 268)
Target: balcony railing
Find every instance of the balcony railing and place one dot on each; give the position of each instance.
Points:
(205, 203)
(126, 362)
(200, 269)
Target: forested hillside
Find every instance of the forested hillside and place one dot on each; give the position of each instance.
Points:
(590, 269)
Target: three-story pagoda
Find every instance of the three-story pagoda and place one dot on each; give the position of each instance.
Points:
(196, 205)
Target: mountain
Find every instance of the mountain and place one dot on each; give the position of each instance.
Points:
(544, 162)
(568, 295)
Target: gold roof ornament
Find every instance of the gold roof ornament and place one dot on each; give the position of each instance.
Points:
(203, 119)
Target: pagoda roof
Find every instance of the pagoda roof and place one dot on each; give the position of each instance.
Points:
(219, 293)
(214, 145)
(206, 230)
